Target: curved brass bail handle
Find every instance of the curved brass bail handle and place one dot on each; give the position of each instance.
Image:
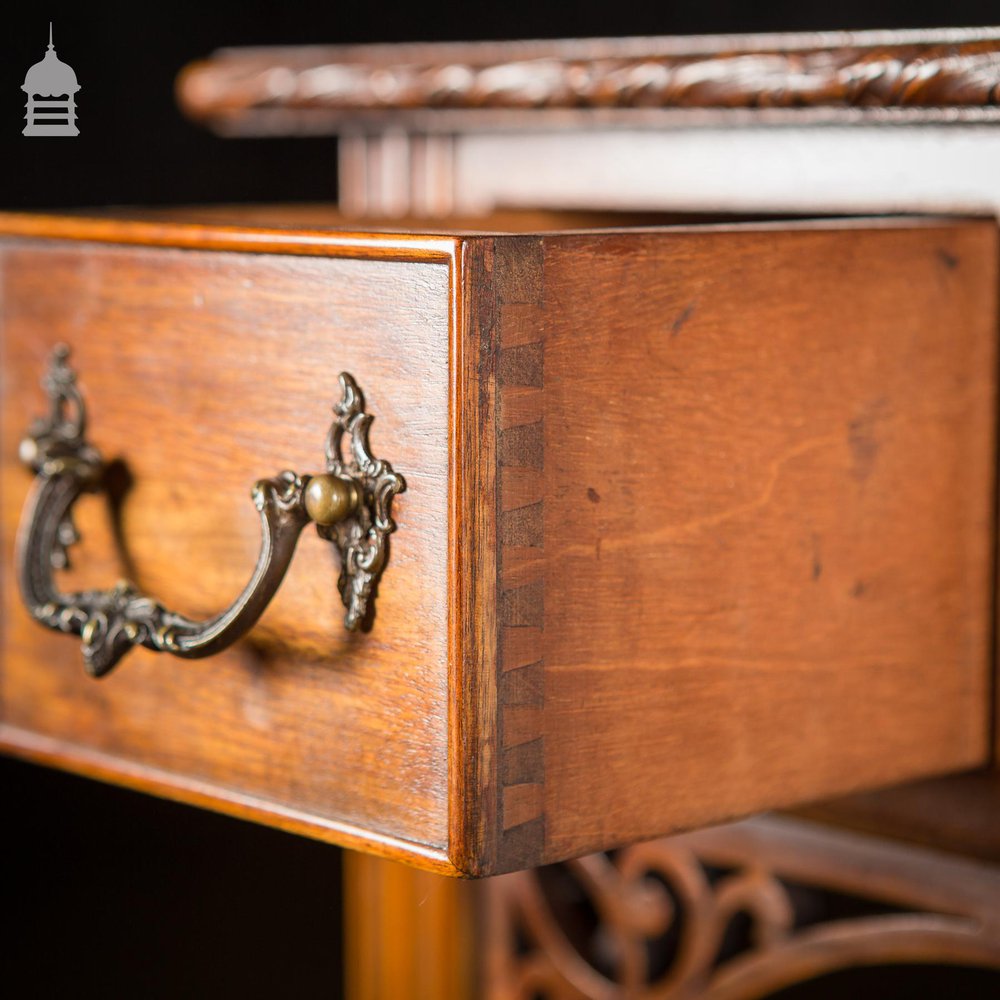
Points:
(350, 504)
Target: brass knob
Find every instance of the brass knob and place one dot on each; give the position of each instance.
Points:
(329, 499)
(349, 503)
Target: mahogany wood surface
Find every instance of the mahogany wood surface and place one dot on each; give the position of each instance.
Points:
(632, 123)
(204, 372)
(658, 920)
(960, 813)
(699, 520)
(409, 933)
(744, 521)
(904, 75)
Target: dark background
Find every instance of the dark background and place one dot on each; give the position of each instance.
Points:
(106, 890)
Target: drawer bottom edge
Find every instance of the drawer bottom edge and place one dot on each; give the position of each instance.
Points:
(51, 752)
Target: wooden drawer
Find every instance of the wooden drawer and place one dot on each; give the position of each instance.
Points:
(698, 521)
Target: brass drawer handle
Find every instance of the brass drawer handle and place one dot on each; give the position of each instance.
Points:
(350, 504)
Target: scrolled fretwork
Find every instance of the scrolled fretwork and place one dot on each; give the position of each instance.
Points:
(656, 921)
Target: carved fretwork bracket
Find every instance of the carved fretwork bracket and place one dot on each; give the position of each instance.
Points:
(737, 911)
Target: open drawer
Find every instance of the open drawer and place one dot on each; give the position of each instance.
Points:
(698, 520)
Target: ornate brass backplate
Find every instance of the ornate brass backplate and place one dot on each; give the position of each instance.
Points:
(350, 504)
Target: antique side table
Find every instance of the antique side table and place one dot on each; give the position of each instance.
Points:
(659, 493)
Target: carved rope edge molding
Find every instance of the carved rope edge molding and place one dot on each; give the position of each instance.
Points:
(957, 74)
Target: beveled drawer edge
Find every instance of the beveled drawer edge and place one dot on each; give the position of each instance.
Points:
(247, 239)
(38, 749)
(472, 752)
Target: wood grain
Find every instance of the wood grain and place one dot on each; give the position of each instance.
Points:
(521, 510)
(205, 371)
(815, 902)
(762, 568)
(316, 89)
(699, 520)
(960, 813)
(408, 933)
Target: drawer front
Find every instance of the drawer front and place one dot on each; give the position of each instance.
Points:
(203, 372)
(697, 522)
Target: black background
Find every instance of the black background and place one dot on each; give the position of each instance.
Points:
(105, 889)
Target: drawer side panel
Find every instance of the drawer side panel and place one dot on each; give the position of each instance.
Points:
(746, 525)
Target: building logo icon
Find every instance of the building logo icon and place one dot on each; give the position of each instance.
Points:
(51, 88)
